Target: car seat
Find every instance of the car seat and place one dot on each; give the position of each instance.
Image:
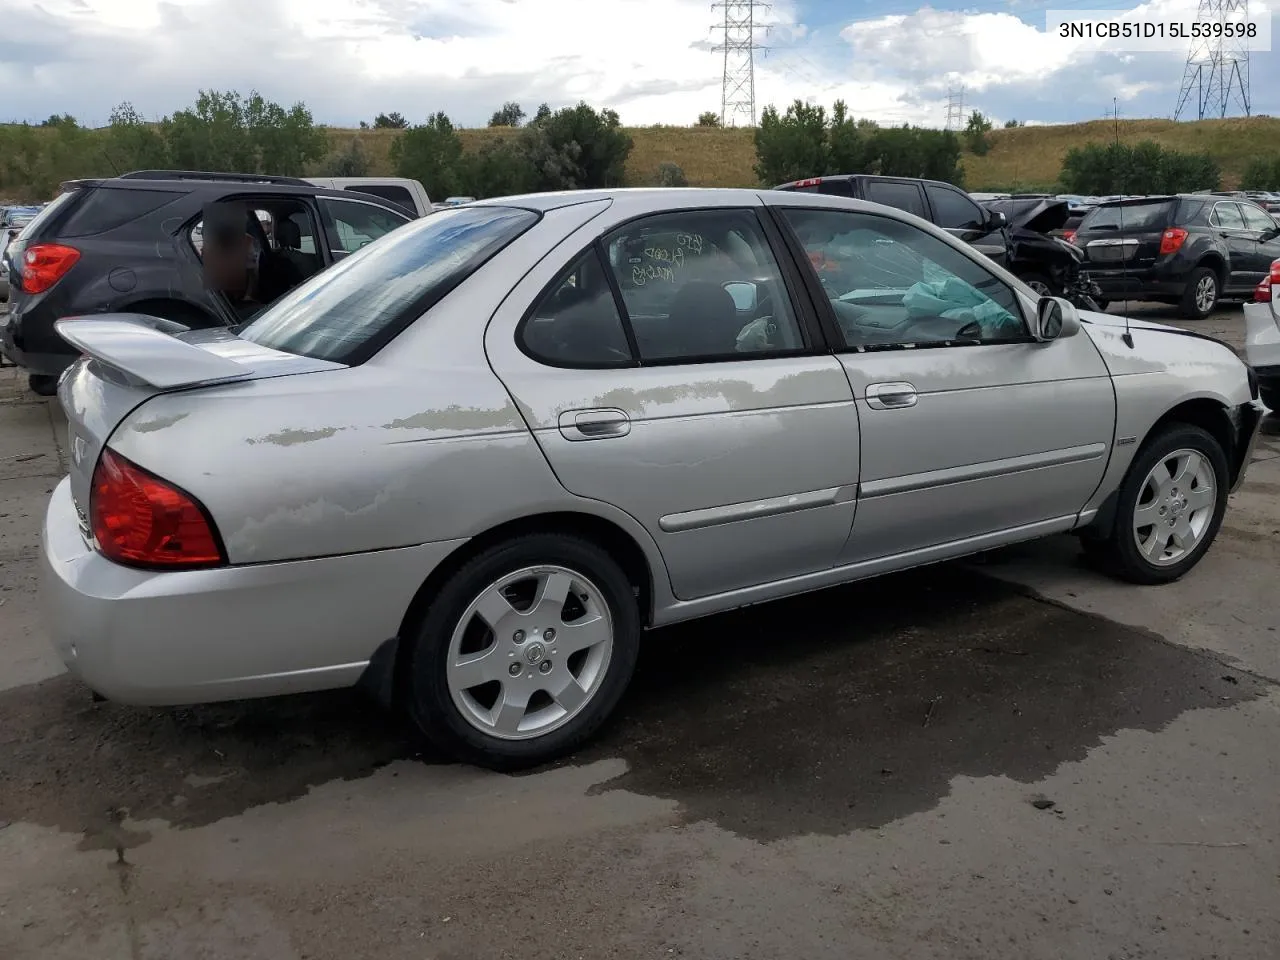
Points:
(702, 320)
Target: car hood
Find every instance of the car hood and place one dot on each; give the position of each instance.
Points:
(1113, 322)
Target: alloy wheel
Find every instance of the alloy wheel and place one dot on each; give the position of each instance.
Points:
(1175, 507)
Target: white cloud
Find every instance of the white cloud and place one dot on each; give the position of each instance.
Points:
(649, 59)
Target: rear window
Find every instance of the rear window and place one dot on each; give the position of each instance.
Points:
(348, 312)
(1136, 217)
(106, 208)
(45, 215)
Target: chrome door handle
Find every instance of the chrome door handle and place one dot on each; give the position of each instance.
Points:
(891, 396)
(594, 424)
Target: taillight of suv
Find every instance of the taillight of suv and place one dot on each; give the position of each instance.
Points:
(44, 264)
(139, 520)
(1262, 292)
(1171, 240)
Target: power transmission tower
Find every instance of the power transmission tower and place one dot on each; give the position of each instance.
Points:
(738, 89)
(955, 108)
(1217, 70)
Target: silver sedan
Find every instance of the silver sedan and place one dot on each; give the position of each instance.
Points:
(471, 464)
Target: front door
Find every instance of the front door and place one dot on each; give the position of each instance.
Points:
(666, 366)
(352, 224)
(957, 213)
(969, 428)
(1266, 240)
(1242, 247)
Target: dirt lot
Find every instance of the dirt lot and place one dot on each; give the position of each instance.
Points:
(1008, 758)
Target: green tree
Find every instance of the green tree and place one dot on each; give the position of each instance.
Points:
(1261, 173)
(592, 141)
(543, 113)
(133, 144)
(1011, 124)
(430, 153)
(975, 133)
(510, 114)
(1145, 167)
(351, 161)
(388, 121)
(211, 134)
(285, 141)
(793, 145)
(708, 118)
(670, 175)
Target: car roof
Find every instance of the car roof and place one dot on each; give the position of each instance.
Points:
(242, 187)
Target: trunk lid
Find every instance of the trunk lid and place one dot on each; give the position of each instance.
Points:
(1125, 235)
(127, 359)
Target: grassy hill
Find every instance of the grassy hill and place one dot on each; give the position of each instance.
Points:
(1024, 157)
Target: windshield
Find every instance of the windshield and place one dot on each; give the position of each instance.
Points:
(349, 311)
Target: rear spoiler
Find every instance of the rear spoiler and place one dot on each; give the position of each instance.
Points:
(145, 349)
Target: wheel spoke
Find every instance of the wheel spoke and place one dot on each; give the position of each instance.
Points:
(493, 608)
(1153, 545)
(510, 707)
(553, 591)
(475, 669)
(581, 634)
(569, 694)
(1200, 498)
(1182, 470)
(1146, 515)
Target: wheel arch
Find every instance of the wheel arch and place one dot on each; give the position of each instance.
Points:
(1211, 414)
(385, 678)
(1216, 262)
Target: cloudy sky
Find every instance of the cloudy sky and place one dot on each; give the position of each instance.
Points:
(651, 60)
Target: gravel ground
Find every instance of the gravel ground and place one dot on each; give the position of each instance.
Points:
(1007, 758)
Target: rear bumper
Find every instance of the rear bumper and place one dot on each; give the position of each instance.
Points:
(27, 337)
(237, 632)
(1262, 337)
(1117, 284)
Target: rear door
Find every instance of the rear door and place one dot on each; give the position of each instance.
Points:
(668, 363)
(1227, 220)
(903, 194)
(1266, 238)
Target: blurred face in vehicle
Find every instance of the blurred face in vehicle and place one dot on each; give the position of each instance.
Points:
(227, 255)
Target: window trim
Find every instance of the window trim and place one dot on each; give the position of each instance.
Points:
(331, 232)
(816, 342)
(827, 315)
(1213, 217)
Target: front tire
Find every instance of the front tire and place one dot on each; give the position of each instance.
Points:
(1201, 295)
(523, 653)
(1169, 507)
(42, 385)
(1039, 283)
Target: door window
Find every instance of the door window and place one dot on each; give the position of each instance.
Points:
(700, 284)
(356, 225)
(577, 323)
(896, 193)
(1256, 219)
(892, 285)
(952, 209)
(1227, 216)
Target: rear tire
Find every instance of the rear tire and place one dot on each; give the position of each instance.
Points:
(1272, 399)
(1165, 522)
(42, 385)
(504, 685)
(1201, 295)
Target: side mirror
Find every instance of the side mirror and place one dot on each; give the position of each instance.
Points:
(1056, 318)
(744, 294)
(997, 221)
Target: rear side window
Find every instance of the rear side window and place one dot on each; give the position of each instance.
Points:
(45, 215)
(1227, 215)
(106, 208)
(904, 196)
(1139, 217)
(351, 310)
(387, 192)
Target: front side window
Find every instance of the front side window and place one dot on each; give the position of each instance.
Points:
(357, 225)
(953, 210)
(892, 284)
(1256, 219)
(348, 311)
(700, 284)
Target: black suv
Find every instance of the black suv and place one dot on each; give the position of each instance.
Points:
(1188, 249)
(940, 203)
(133, 243)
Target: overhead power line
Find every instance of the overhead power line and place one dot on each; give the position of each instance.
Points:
(740, 31)
(1216, 74)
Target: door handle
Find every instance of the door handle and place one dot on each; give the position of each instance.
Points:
(891, 396)
(594, 424)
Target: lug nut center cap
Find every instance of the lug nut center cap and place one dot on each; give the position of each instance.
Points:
(534, 652)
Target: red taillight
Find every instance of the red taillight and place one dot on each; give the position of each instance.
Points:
(1171, 240)
(44, 264)
(1069, 236)
(811, 182)
(1262, 292)
(139, 520)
